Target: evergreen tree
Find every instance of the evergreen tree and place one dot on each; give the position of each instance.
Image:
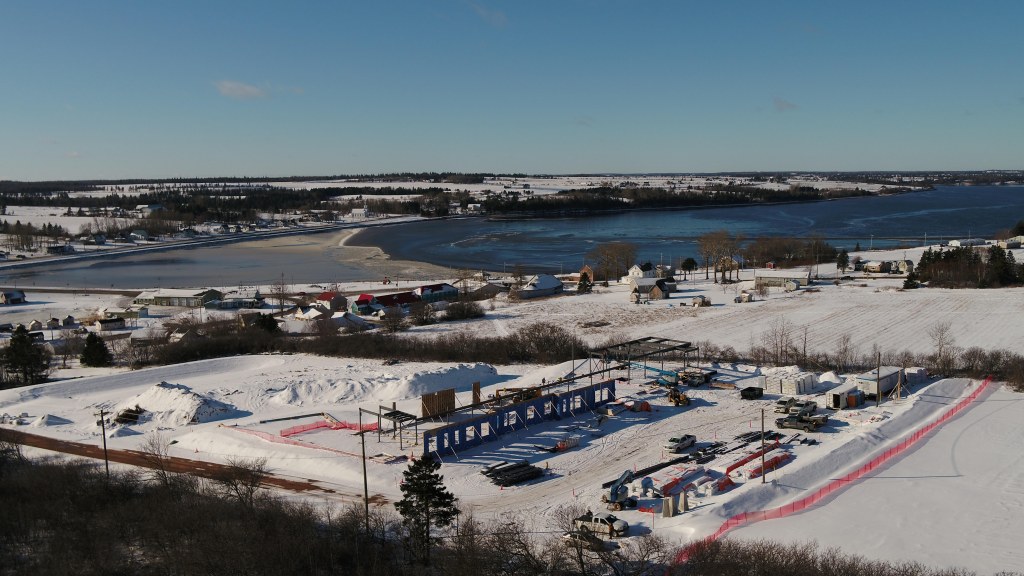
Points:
(911, 281)
(843, 260)
(23, 361)
(266, 322)
(584, 285)
(95, 352)
(425, 503)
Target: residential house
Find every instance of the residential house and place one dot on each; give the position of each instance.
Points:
(778, 277)
(12, 297)
(400, 299)
(540, 285)
(363, 304)
(645, 270)
(588, 271)
(437, 292)
(68, 321)
(139, 235)
(35, 325)
(644, 289)
(331, 300)
(53, 323)
(149, 335)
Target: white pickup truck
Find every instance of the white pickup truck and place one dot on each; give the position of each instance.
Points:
(602, 523)
(782, 405)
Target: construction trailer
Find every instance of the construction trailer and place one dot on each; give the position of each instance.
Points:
(880, 381)
(843, 396)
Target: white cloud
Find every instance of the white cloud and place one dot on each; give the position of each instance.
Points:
(495, 18)
(783, 105)
(239, 90)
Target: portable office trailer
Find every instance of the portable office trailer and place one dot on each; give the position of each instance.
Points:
(916, 375)
(837, 397)
(879, 381)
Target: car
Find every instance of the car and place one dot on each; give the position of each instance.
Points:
(680, 442)
(602, 523)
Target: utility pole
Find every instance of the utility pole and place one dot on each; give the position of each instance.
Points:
(762, 447)
(366, 488)
(103, 426)
(878, 381)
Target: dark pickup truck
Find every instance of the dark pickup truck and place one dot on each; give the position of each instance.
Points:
(802, 422)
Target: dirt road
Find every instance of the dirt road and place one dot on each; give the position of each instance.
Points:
(174, 464)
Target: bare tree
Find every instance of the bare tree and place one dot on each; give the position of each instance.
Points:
(70, 346)
(279, 290)
(845, 353)
(155, 451)
(778, 341)
(944, 358)
(242, 479)
(612, 259)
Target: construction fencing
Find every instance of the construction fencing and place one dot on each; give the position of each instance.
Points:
(336, 425)
(745, 518)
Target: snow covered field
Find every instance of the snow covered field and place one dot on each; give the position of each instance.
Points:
(951, 501)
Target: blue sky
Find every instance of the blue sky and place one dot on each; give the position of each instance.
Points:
(218, 88)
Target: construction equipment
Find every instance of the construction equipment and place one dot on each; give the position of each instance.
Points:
(678, 398)
(618, 496)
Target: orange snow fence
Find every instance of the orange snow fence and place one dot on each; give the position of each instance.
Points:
(745, 518)
(770, 463)
(337, 425)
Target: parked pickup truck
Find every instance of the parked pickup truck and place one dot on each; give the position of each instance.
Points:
(602, 523)
(804, 407)
(782, 405)
(802, 422)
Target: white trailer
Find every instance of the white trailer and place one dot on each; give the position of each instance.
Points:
(879, 381)
(837, 397)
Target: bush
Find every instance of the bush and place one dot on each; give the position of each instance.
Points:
(464, 310)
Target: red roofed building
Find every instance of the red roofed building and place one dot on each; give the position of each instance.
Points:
(332, 301)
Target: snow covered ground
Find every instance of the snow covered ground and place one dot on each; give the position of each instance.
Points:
(953, 500)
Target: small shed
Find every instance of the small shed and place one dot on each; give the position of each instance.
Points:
(107, 324)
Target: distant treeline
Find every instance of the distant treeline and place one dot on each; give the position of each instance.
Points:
(603, 199)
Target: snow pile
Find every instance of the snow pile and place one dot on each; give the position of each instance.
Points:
(460, 377)
(49, 420)
(177, 405)
(398, 382)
